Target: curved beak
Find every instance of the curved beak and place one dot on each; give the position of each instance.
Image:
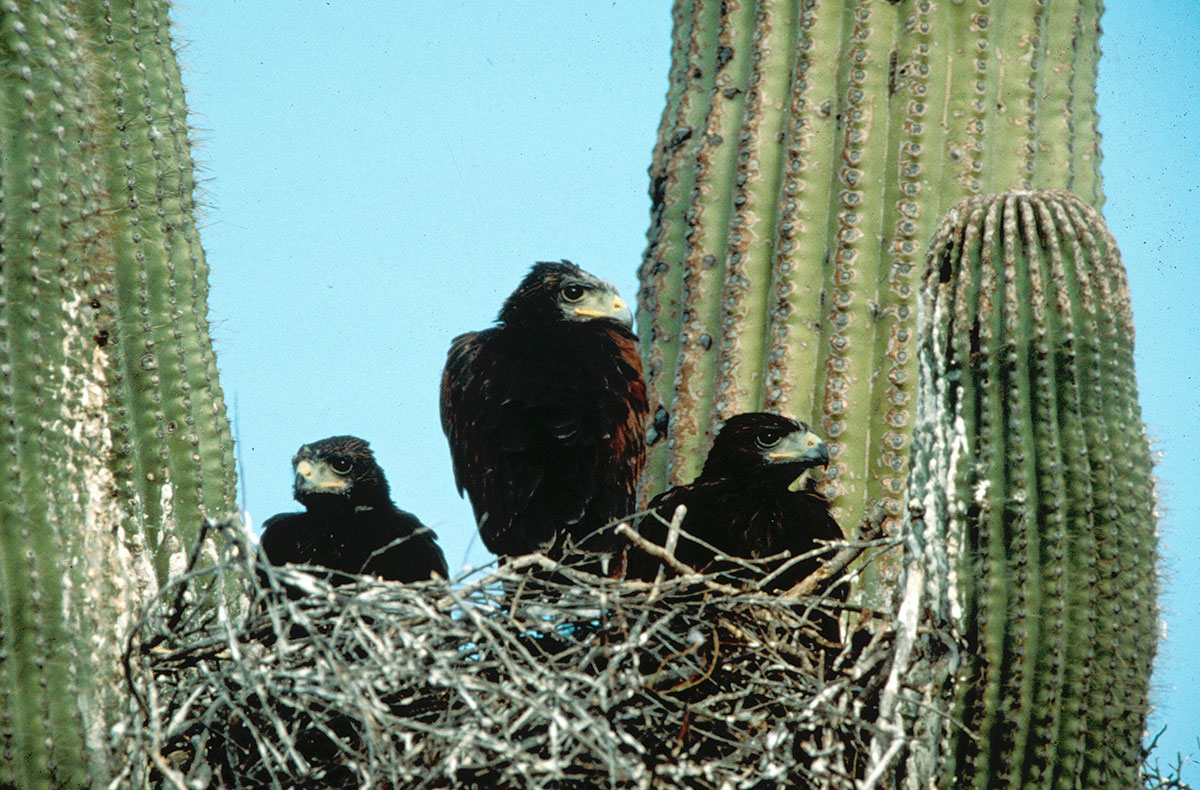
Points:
(604, 307)
(806, 448)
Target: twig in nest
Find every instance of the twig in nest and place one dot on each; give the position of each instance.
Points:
(673, 527)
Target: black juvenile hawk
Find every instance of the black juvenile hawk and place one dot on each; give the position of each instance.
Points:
(751, 500)
(545, 414)
(349, 523)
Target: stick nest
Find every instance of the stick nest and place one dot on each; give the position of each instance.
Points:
(531, 674)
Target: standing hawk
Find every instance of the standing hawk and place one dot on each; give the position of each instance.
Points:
(545, 414)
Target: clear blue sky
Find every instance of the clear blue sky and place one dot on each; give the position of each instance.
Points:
(378, 175)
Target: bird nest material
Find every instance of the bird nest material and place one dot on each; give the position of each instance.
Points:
(529, 674)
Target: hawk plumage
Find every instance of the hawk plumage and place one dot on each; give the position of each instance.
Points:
(545, 414)
(751, 500)
(349, 523)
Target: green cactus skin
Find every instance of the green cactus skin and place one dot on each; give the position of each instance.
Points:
(115, 437)
(174, 446)
(805, 155)
(1033, 466)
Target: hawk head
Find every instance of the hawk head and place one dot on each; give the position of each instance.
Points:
(563, 292)
(340, 470)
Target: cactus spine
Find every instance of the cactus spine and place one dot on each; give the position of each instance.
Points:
(805, 155)
(115, 433)
(1032, 462)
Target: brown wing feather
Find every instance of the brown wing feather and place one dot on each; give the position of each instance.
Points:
(629, 442)
(455, 406)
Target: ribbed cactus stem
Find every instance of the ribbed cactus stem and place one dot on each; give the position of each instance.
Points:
(1032, 463)
(99, 267)
(805, 156)
(670, 193)
(163, 365)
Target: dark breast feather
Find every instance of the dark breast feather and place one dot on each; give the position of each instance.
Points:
(397, 546)
(358, 543)
(289, 537)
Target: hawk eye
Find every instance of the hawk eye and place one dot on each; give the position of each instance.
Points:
(573, 293)
(768, 439)
(341, 464)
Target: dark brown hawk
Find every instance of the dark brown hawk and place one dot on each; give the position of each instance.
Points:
(545, 414)
(349, 523)
(751, 500)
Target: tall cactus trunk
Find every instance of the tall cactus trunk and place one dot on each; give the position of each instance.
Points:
(1035, 473)
(115, 436)
(806, 153)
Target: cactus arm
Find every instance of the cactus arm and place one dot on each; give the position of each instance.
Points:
(1052, 501)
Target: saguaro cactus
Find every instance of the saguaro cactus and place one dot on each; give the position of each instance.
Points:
(1033, 466)
(115, 436)
(805, 155)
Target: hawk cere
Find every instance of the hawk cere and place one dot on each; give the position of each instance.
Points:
(349, 523)
(545, 414)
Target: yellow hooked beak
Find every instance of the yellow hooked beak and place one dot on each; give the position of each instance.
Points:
(602, 306)
(806, 448)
